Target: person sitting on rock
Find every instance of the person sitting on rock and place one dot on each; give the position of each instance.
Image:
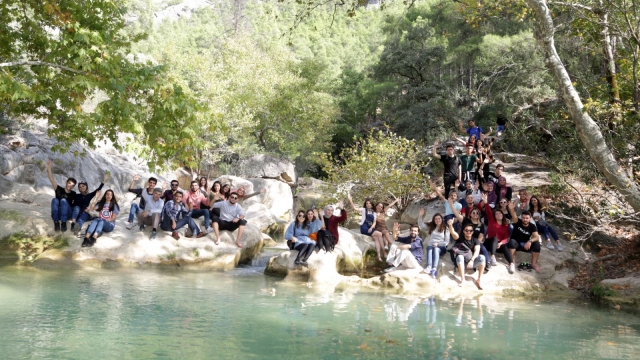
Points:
(63, 202)
(406, 253)
(503, 206)
(466, 254)
(215, 195)
(176, 216)
(203, 184)
(439, 235)
(198, 205)
(536, 208)
(170, 193)
(448, 212)
(152, 213)
(226, 191)
(108, 209)
(242, 195)
(490, 193)
(381, 222)
(145, 196)
(502, 190)
(469, 189)
(231, 218)
(306, 223)
(368, 225)
(330, 225)
(524, 237)
(494, 176)
(523, 201)
(452, 167)
(472, 216)
(83, 200)
(497, 235)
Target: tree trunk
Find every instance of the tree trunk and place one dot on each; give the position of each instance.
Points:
(614, 90)
(588, 131)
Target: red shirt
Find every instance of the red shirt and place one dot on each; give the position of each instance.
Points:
(332, 223)
(496, 230)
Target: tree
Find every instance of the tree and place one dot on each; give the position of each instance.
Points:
(382, 166)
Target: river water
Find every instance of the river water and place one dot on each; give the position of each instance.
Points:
(172, 314)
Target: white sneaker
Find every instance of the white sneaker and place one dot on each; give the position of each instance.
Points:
(550, 245)
(209, 230)
(390, 269)
(512, 268)
(129, 225)
(427, 269)
(559, 245)
(494, 262)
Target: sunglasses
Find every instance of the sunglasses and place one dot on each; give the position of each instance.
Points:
(468, 231)
(300, 216)
(174, 185)
(234, 198)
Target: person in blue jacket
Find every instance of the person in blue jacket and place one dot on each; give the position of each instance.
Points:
(305, 224)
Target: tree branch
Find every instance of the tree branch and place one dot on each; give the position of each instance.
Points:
(39, 63)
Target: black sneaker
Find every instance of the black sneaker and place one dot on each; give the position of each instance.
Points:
(297, 262)
(56, 226)
(153, 235)
(141, 227)
(304, 263)
(86, 242)
(92, 241)
(63, 226)
(73, 226)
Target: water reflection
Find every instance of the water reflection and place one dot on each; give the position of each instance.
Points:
(171, 314)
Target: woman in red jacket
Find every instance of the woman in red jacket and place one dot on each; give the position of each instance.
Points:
(331, 226)
(497, 234)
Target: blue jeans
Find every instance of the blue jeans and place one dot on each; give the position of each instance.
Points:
(501, 128)
(185, 220)
(98, 226)
(484, 252)
(202, 212)
(433, 256)
(75, 212)
(135, 208)
(60, 210)
(548, 230)
(81, 219)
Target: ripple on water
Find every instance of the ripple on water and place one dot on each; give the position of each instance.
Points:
(242, 313)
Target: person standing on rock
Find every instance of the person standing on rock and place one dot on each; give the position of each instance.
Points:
(467, 251)
(368, 224)
(330, 226)
(472, 129)
(109, 209)
(145, 196)
(82, 203)
(152, 213)
(306, 223)
(406, 253)
(63, 202)
(469, 161)
(198, 205)
(494, 176)
(175, 216)
(452, 167)
(231, 218)
(524, 236)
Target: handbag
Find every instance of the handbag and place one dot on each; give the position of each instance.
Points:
(462, 249)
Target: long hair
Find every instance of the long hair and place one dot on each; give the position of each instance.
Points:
(226, 193)
(103, 201)
(504, 220)
(537, 208)
(364, 206)
(205, 187)
(213, 186)
(305, 223)
(432, 224)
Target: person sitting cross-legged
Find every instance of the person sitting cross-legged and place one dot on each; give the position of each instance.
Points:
(466, 251)
(406, 253)
(231, 218)
(524, 236)
(176, 216)
(306, 223)
(152, 213)
(62, 203)
(109, 209)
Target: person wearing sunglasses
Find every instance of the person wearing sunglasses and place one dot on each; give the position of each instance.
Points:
(466, 254)
(231, 218)
(170, 193)
(298, 233)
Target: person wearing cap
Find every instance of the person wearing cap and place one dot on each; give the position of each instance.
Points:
(80, 213)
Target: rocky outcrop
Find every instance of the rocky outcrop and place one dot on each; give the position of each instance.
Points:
(267, 167)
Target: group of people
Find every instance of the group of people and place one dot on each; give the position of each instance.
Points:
(168, 209)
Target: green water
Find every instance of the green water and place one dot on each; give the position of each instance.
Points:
(141, 314)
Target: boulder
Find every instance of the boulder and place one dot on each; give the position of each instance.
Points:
(277, 197)
(267, 167)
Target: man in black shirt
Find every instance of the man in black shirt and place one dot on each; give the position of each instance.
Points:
(524, 237)
(452, 167)
(63, 202)
(494, 176)
(467, 250)
(83, 200)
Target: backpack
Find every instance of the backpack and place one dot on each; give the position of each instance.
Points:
(462, 249)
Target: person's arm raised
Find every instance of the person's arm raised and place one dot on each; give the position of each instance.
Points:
(50, 175)
(435, 188)
(421, 223)
(351, 202)
(136, 177)
(512, 211)
(455, 211)
(434, 150)
(452, 231)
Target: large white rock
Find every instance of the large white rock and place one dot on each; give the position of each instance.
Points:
(277, 197)
(267, 167)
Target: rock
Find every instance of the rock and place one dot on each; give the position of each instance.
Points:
(267, 167)
(278, 197)
(268, 241)
(410, 215)
(9, 160)
(621, 293)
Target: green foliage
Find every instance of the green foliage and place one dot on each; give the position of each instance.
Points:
(601, 291)
(382, 166)
(29, 246)
(56, 55)
(11, 215)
